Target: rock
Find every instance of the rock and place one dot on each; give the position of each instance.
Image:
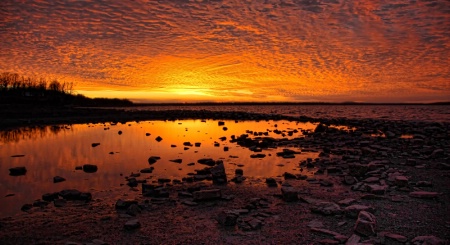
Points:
(125, 204)
(326, 183)
(73, 194)
(218, 173)
(16, 171)
(289, 176)
(336, 235)
(119, 133)
(189, 203)
(227, 218)
(289, 193)
(372, 180)
(353, 240)
(424, 183)
(358, 170)
(239, 171)
(428, 240)
(259, 155)
(132, 224)
(377, 189)
(177, 160)
(347, 201)
(59, 202)
(326, 208)
(320, 128)
(26, 207)
(158, 138)
(401, 181)
(365, 224)
(353, 210)
(315, 223)
(58, 179)
(205, 195)
(271, 182)
(133, 210)
(424, 194)
(95, 144)
(90, 168)
(153, 159)
(50, 196)
(349, 180)
(207, 161)
(147, 170)
(391, 237)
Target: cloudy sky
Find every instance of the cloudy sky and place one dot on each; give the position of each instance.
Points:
(234, 50)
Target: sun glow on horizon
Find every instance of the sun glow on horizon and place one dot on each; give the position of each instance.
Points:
(231, 50)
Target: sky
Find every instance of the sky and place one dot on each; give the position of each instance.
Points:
(234, 50)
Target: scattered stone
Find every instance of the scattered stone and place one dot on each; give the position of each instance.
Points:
(227, 218)
(401, 181)
(147, 170)
(271, 182)
(73, 194)
(205, 195)
(207, 161)
(289, 176)
(90, 168)
(424, 194)
(50, 196)
(326, 208)
(95, 144)
(153, 159)
(353, 210)
(124, 204)
(218, 173)
(353, 240)
(158, 138)
(289, 193)
(315, 223)
(17, 171)
(336, 235)
(428, 240)
(59, 202)
(259, 155)
(377, 189)
(177, 160)
(79, 168)
(133, 210)
(132, 224)
(189, 203)
(349, 180)
(365, 224)
(26, 207)
(392, 237)
(20, 155)
(424, 183)
(347, 201)
(58, 179)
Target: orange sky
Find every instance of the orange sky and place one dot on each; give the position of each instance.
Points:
(234, 50)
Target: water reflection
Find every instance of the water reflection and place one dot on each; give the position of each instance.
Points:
(30, 133)
(57, 151)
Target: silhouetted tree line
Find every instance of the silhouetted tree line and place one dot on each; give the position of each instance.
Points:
(16, 89)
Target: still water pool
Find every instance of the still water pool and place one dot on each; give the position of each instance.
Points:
(124, 148)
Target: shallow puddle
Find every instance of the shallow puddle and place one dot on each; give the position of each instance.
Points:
(52, 151)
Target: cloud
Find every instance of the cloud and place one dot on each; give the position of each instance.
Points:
(282, 49)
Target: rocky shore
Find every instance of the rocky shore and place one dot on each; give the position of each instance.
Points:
(381, 182)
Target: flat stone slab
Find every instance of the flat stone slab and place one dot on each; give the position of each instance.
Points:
(424, 194)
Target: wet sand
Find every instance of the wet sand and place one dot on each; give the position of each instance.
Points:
(371, 185)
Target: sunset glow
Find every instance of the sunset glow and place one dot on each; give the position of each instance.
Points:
(234, 50)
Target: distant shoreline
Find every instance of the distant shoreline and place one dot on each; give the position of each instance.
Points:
(279, 103)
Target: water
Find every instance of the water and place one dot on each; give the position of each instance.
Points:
(57, 150)
(426, 113)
